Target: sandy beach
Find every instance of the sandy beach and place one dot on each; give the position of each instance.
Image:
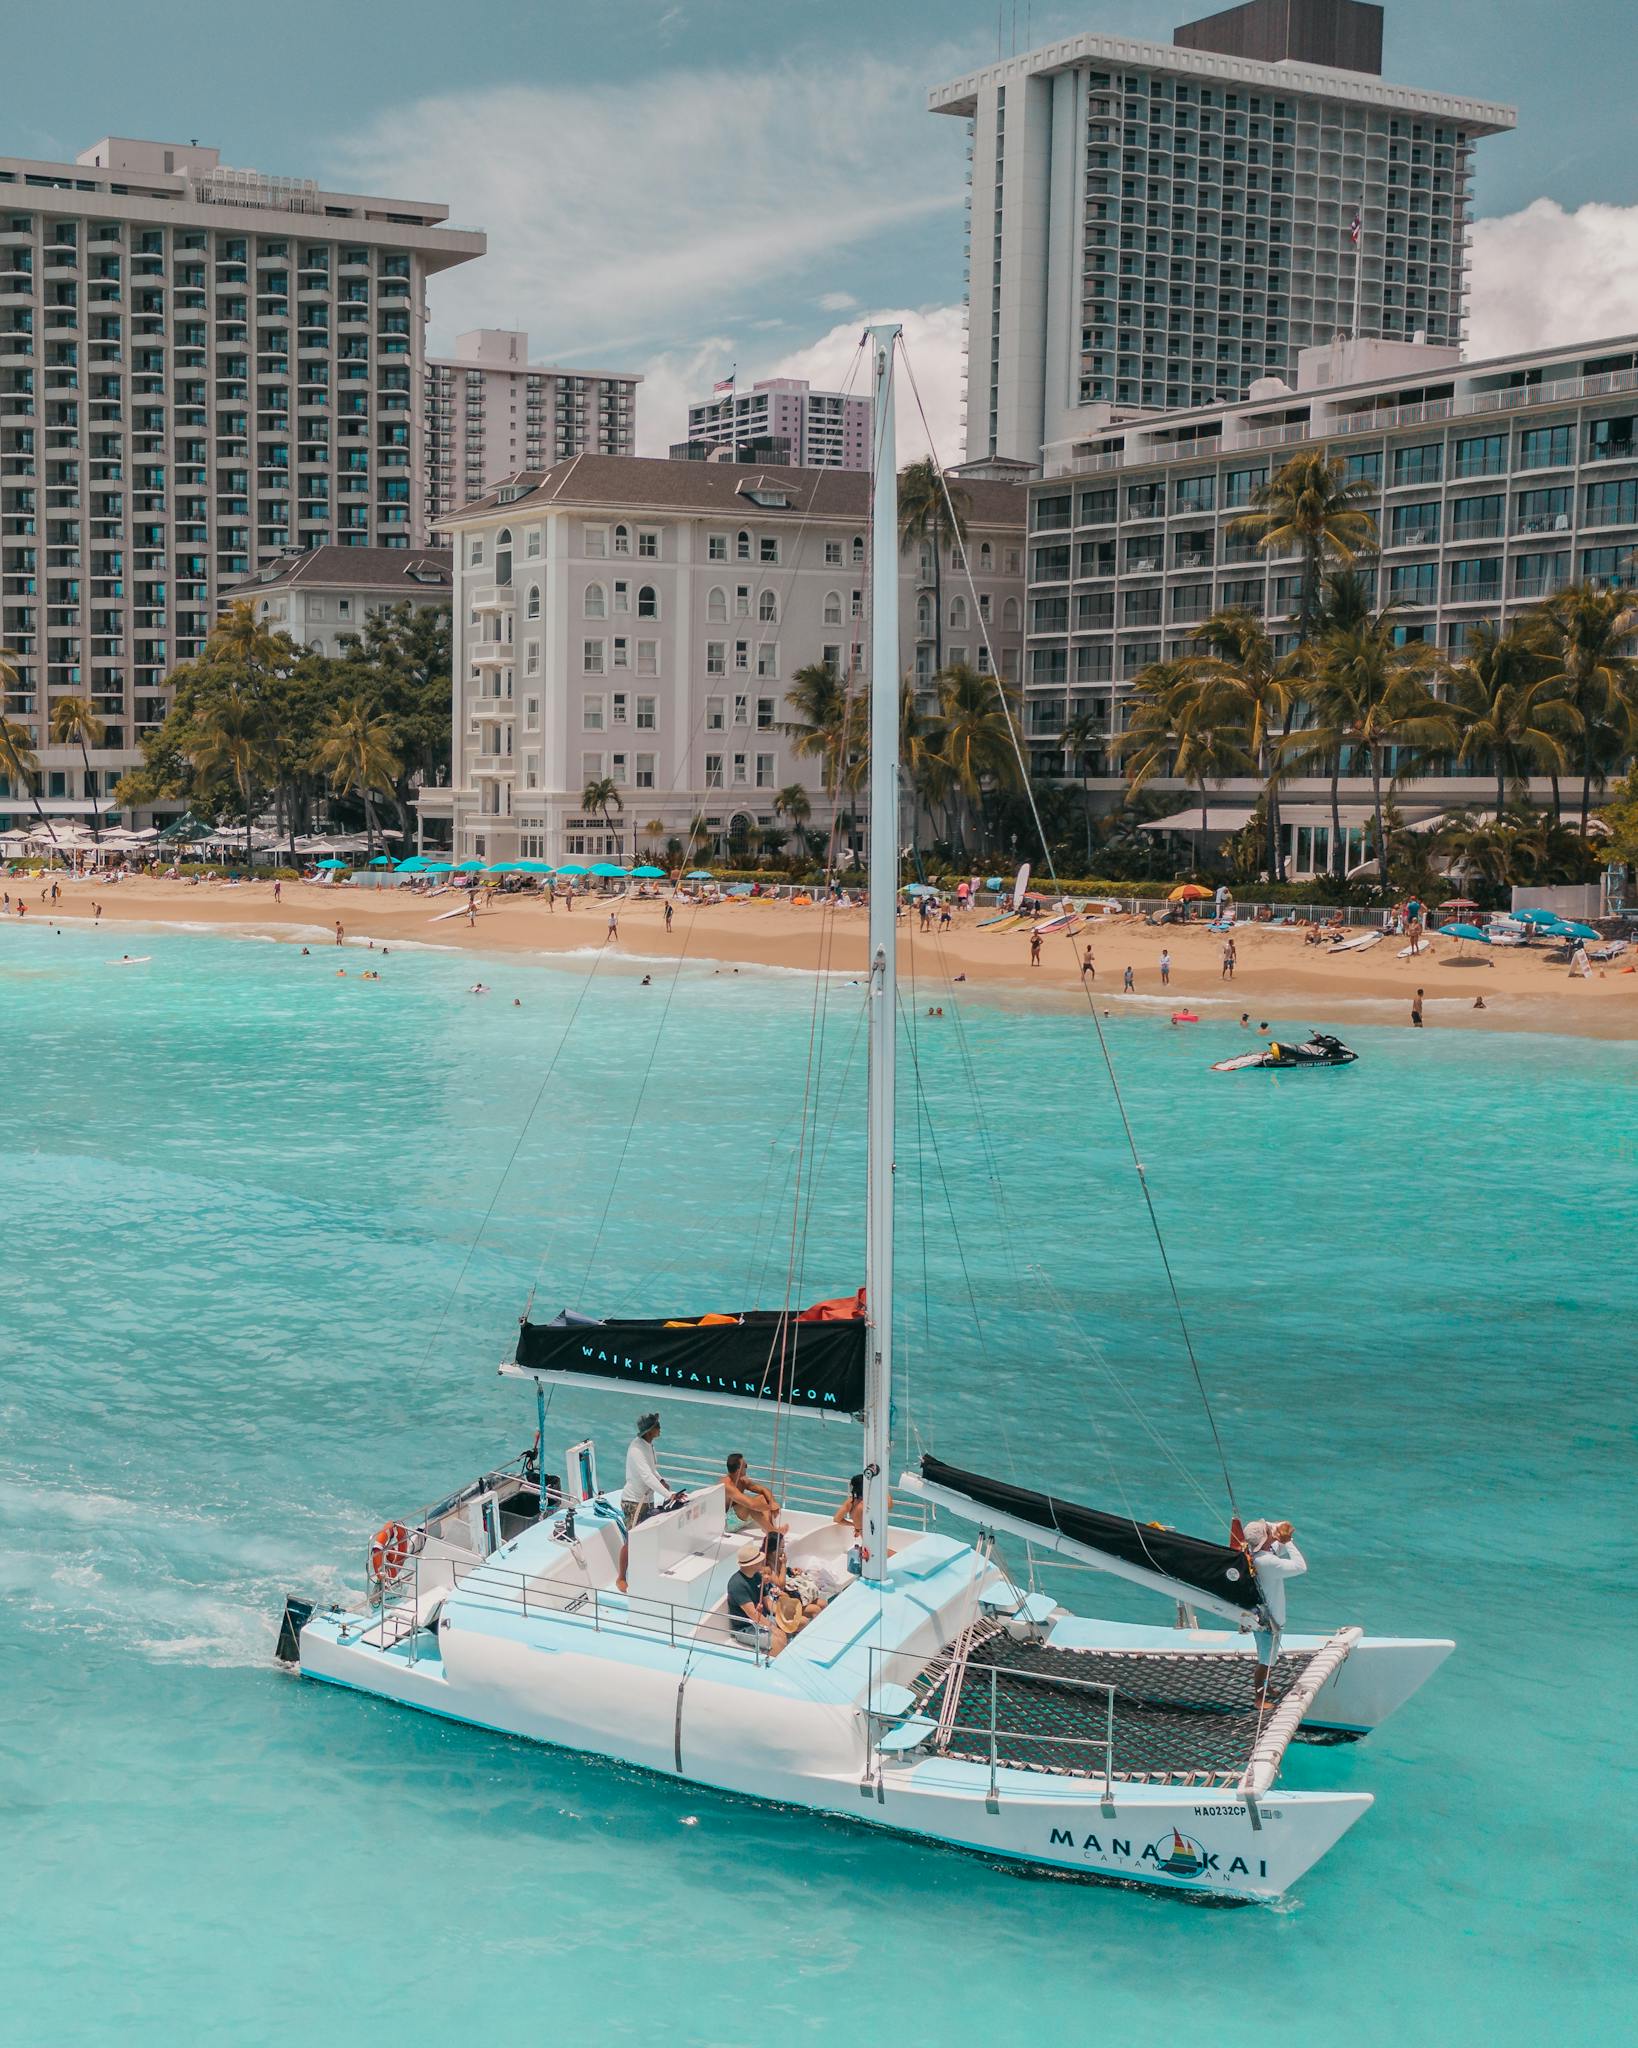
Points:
(1276, 975)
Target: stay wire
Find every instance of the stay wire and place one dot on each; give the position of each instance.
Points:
(1103, 1043)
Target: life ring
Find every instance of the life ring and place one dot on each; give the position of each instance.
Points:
(389, 1548)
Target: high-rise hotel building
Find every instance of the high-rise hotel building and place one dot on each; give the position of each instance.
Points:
(1157, 225)
(200, 369)
(491, 412)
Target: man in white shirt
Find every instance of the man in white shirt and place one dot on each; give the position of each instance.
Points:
(1274, 1559)
(642, 1483)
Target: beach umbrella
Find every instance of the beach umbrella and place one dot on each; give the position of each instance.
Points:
(1188, 892)
(1464, 931)
(411, 866)
(919, 889)
(1537, 916)
(1569, 930)
(332, 863)
(382, 860)
(469, 866)
(436, 867)
(571, 867)
(699, 875)
(608, 870)
(647, 874)
(1459, 903)
(534, 867)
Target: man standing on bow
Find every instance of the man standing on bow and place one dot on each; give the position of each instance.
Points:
(642, 1483)
(1274, 1559)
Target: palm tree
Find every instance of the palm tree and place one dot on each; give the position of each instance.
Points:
(1083, 736)
(1253, 684)
(1309, 509)
(231, 739)
(932, 509)
(1581, 632)
(600, 797)
(355, 751)
(74, 721)
(1372, 698)
(1346, 602)
(1509, 716)
(245, 651)
(652, 831)
(977, 745)
(829, 727)
(18, 761)
(924, 774)
(1183, 725)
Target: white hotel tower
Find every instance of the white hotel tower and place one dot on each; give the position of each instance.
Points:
(200, 369)
(1157, 225)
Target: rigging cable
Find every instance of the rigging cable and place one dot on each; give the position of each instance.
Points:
(1046, 850)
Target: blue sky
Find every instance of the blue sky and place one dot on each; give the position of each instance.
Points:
(674, 185)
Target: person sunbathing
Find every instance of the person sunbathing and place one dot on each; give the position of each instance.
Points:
(750, 1503)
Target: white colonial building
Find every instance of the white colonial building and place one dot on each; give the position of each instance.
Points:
(641, 622)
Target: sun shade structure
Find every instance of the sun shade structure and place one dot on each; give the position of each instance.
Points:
(919, 889)
(699, 875)
(437, 867)
(1189, 892)
(1570, 930)
(570, 867)
(1536, 916)
(534, 867)
(1459, 903)
(469, 866)
(1464, 931)
(646, 874)
(412, 866)
(608, 870)
(332, 863)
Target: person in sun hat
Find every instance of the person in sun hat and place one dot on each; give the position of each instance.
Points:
(1274, 1559)
(748, 1599)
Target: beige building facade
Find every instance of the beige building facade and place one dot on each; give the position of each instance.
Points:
(324, 599)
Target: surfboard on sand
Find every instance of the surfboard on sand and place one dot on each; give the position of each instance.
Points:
(1358, 945)
(444, 916)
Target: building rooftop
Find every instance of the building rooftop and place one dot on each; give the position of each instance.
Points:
(1479, 117)
(389, 570)
(507, 348)
(634, 484)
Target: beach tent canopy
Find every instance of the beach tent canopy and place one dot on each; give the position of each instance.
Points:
(648, 874)
(186, 827)
(699, 875)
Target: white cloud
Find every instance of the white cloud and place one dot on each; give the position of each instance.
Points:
(1544, 276)
(932, 348)
(836, 302)
(622, 217)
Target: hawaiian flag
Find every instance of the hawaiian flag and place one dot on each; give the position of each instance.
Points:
(1353, 236)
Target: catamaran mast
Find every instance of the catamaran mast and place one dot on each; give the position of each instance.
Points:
(884, 882)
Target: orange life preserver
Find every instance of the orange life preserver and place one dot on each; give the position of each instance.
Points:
(389, 1547)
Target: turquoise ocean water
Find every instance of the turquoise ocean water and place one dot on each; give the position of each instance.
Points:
(267, 1231)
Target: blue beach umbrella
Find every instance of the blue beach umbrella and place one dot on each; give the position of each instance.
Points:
(332, 863)
(1464, 931)
(534, 867)
(919, 889)
(469, 866)
(436, 867)
(699, 875)
(413, 866)
(608, 870)
(382, 860)
(1569, 930)
(570, 867)
(1538, 917)
(647, 874)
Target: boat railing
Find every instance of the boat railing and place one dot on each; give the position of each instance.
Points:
(817, 1493)
(892, 1703)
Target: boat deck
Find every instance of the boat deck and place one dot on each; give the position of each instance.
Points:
(1179, 1717)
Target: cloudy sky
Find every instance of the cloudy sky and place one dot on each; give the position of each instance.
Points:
(681, 186)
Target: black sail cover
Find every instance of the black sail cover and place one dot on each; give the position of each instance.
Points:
(1214, 1568)
(766, 1356)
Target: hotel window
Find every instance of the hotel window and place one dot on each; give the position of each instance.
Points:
(1415, 523)
(1545, 448)
(617, 767)
(596, 541)
(715, 714)
(767, 658)
(765, 714)
(503, 556)
(622, 597)
(742, 654)
(767, 608)
(856, 604)
(648, 657)
(1478, 577)
(1420, 465)
(1194, 494)
(742, 600)
(591, 770)
(1609, 565)
(716, 657)
(591, 713)
(831, 655)
(592, 657)
(1240, 486)
(622, 540)
(531, 544)
(768, 548)
(1363, 469)
(1414, 582)
(648, 544)
(742, 709)
(597, 600)
(1544, 511)
(645, 771)
(531, 714)
(474, 552)
(531, 609)
(617, 712)
(648, 602)
(742, 547)
(716, 605)
(531, 658)
(764, 771)
(645, 714)
(833, 608)
(1480, 455)
(713, 771)
(740, 766)
(833, 553)
(716, 548)
(1613, 504)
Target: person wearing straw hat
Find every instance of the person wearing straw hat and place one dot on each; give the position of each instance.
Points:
(1274, 1559)
(748, 1618)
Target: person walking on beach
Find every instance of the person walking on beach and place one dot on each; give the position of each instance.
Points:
(614, 927)
(1228, 959)
(1165, 968)
(1416, 1010)
(1128, 986)
(668, 918)
(340, 934)
(278, 891)
(1089, 970)
(1035, 949)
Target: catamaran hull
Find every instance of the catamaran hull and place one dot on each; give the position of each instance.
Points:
(812, 1754)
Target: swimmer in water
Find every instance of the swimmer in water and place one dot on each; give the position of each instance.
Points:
(304, 952)
(477, 989)
(646, 981)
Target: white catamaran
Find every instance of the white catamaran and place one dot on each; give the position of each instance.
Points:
(932, 1693)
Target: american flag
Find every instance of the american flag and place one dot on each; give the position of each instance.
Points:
(727, 383)
(1353, 236)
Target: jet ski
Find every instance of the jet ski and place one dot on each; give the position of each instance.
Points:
(1320, 1050)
